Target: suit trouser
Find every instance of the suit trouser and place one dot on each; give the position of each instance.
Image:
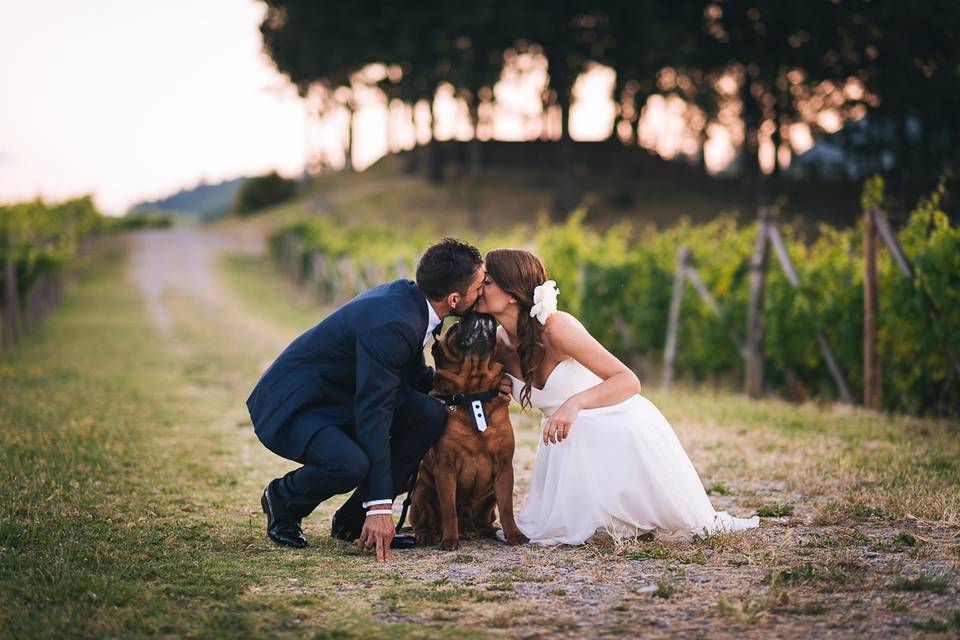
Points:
(333, 463)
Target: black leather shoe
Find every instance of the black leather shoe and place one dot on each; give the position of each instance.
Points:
(403, 542)
(342, 530)
(280, 529)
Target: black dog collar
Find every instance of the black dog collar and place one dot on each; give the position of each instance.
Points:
(475, 403)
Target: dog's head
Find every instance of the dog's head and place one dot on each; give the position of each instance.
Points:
(475, 334)
(465, 355)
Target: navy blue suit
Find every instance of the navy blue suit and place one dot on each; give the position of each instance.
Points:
(347, 400)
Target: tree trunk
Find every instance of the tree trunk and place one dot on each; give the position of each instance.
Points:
(564, 103)
(434, 156)
(475, 166)
(702, 156)
(750, 153)
(567, 193)
(475, 150)
(777, 139)
(348, 152)
(411, 166)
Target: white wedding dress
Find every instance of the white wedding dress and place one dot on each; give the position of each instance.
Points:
(621, 469)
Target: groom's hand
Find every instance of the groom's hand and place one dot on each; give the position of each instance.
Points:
(378, 531)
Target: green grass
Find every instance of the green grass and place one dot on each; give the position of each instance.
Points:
(129, 477)
(127, 502)
(665, 588)
(749, 612)
(646, 551)
(775, 511)
(832, 571)
(937, 625)
(253, 280)
(923, 582)
(810, 609)
(840, 540)
(719, 488)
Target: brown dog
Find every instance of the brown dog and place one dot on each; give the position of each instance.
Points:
(468, 474)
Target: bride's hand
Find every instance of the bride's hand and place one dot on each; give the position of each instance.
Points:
(558, 425)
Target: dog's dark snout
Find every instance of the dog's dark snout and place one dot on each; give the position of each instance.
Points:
(477, 333)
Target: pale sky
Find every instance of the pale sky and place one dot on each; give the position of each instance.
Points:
(133, 100)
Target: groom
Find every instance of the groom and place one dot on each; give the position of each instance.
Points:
(348, 401)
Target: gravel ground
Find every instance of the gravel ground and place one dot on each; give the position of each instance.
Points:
(809, 574)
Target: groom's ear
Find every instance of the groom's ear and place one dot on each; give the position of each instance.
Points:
(453, 299)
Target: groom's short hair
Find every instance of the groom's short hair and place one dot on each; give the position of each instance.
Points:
(447, 266)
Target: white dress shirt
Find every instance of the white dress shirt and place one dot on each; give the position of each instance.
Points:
(433, 320)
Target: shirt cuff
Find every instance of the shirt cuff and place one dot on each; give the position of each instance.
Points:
(370, 503)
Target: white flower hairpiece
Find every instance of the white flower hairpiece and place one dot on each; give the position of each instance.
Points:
(544, 301)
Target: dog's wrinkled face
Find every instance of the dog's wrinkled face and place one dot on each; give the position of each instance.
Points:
(475, 334)
(465, 356)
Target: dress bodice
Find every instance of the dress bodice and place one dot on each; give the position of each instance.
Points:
(567, 378)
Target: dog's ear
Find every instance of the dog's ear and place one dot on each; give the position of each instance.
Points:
(451, 340)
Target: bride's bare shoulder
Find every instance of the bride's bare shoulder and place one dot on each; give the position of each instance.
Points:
(562, 324)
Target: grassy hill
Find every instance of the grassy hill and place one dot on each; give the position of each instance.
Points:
(205, 202)
(521, 182)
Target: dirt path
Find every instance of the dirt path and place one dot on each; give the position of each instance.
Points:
(179, 261)
(839, 578)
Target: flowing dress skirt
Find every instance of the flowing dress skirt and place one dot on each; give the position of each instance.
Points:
(622, 469)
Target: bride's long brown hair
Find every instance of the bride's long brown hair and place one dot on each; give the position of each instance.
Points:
(518, 273)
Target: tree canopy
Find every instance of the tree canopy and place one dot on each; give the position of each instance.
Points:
(892, 66)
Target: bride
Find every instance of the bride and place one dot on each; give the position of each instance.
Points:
(608, 458)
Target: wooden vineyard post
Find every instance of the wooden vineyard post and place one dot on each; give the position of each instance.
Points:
(693, 277)
(317, 276)
(753, 348)
(686, 272)
(788, 268)
(871, 364)
(670, 350)
(886, 234)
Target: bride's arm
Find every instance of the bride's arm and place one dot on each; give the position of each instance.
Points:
(569, 337)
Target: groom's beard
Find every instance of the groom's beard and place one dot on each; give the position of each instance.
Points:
(459, 313)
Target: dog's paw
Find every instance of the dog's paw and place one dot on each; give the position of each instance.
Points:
(516, 538)
(450, 544)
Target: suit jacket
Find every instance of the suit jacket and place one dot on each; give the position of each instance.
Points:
(357, 366)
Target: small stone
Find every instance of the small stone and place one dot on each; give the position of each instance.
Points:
(650, 588)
